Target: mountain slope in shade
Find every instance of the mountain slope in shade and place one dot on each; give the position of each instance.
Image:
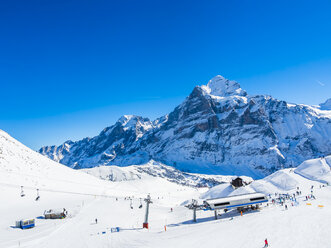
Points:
(111, 143)
(218, 128)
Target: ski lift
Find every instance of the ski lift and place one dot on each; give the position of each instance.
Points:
(131, 204)
(141, 205)
(22, 192)
(38, 196)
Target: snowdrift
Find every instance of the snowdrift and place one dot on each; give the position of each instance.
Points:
(316, 169)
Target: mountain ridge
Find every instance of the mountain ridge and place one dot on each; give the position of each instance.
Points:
(218, 128)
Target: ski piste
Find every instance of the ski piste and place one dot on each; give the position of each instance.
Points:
(116, 204)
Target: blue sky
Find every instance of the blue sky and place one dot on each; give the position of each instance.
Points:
(70, 68)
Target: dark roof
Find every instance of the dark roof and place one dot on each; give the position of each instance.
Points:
(238, 178)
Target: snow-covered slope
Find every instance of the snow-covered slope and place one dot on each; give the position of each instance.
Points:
(157, 169)
(84, 196)
(311, 172)
(218, 129)
(19, 165)
(316, 169)
(113, 173)
(87, 198)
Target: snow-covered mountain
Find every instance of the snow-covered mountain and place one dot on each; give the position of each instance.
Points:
(100, 150)
(157, 169)
(218, 128)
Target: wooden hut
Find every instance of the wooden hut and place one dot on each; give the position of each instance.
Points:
(55, 214)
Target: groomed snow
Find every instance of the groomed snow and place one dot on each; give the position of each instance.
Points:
(87, 197)
(316, 169)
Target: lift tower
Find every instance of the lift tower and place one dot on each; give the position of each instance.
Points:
(148, 201)
(194, 206)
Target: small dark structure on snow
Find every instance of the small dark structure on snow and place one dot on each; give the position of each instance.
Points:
(55, 214)
(238, 182)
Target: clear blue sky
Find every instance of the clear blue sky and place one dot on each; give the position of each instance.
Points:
(70, 68)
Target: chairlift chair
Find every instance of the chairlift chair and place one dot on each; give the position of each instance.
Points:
(22, 192)
(38, 196)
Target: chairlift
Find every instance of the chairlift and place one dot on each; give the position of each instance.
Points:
(38, 196)
(131, 204)
(22, 192)
(141, 205)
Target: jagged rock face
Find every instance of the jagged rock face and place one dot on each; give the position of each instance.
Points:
(217, 129)
(112, 142)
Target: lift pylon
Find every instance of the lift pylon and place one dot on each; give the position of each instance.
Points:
(148, 201)
(194, 206)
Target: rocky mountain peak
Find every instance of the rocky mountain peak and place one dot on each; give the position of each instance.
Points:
(220, 86)
(125, 119)
(216, 129)
(132, 120)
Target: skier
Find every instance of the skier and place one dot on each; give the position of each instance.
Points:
(266, 243)
(96, 221)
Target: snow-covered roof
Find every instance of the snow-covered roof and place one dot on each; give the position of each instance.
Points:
(54, 211)
(235, 198)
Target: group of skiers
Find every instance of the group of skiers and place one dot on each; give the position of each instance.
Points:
(283, 199)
